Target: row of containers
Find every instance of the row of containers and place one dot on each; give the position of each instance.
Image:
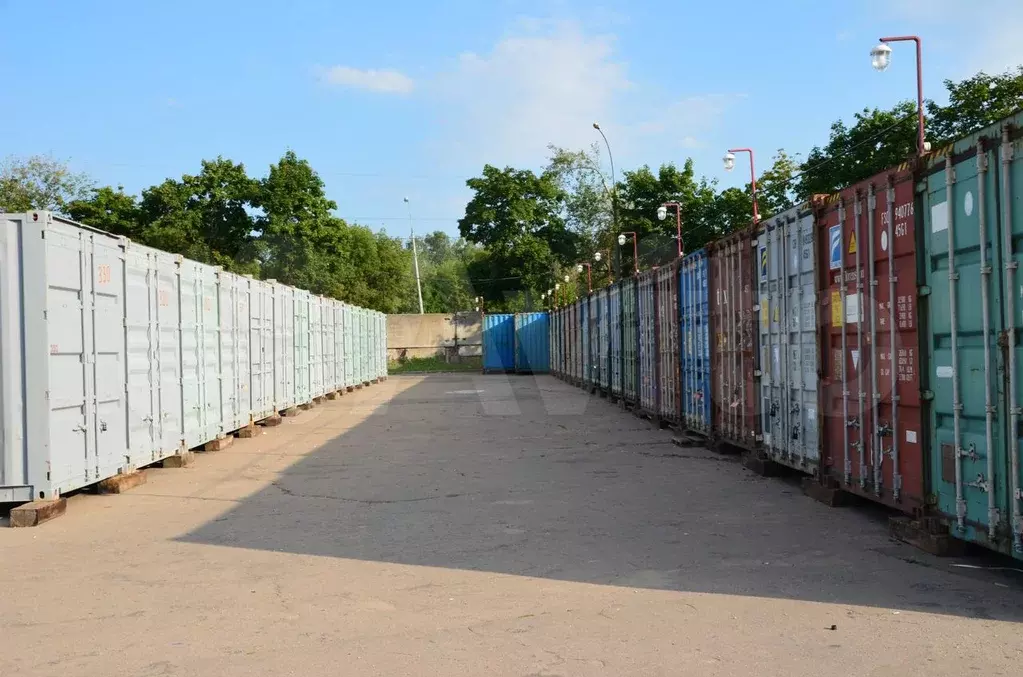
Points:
(868, 339)
(114, 356)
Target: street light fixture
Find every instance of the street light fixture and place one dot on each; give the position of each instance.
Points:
(614, 181)
(635, 244)
(589, 275)
(662, 213)
(881, 58)
(730, 164)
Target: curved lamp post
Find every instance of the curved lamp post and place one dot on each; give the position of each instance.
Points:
(635, 247)
(881, 58)
(729, 160)
(662, 213)
(614, 182)
(598, 256)
(589, 276)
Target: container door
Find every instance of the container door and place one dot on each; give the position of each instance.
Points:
(804, 365)
(191, 354)
(970, 448)
(302, 358)
(168, 272)
(228, 348)
(695, 357)
(261, 340)
(1011, 203)
(498, 342)
(143, 356)
(213, 411)
(667, 348)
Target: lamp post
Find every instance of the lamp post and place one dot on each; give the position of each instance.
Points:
(635, 247)
(415, 255)
(881, 58)
(662, 213)
(589, 277)
(730, 164)
(557, 288)
(600, 255)
(614, 183)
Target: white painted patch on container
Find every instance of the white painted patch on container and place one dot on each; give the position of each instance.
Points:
(943, 372)
(855, 358)
(911, 436)
(939, 217)
(852, 308)
(884, 240)
(968, 203)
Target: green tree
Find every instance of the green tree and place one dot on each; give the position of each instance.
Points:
(40, 182)
(641, 192)
(111, 210)
(518, 217)
(973, 104)
(877, 140)
(206, 216)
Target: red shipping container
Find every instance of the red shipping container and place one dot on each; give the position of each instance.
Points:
(870, 448)
(734, 418)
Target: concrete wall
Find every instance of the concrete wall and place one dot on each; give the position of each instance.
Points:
(454, 336)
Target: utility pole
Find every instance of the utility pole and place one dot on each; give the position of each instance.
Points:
(415, 256)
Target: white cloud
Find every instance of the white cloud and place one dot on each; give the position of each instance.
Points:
(548, 82)
(385, 80)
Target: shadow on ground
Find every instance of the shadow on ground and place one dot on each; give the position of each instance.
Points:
(527, 476)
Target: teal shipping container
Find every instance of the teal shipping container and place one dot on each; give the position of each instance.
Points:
(532, 348)
(972, 205)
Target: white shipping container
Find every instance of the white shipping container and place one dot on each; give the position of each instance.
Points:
(261, 349)
(284, 346)
(235, 363)
(152, 331)
(315, 346)
(787, 330)
(63, 408)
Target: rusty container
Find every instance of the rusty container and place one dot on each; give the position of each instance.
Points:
(869, 350)
(735, 419)
(668, 381)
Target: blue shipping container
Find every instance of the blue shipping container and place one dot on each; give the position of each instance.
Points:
(532, 354)
(694, 323)
(499, 342)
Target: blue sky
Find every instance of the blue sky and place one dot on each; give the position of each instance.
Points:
(411, 98)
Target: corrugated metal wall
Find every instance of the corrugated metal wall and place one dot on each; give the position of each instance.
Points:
(647, 318)
(138, 355)
(668, 397)
(694, 321)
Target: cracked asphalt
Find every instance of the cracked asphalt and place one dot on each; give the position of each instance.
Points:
(486, 525)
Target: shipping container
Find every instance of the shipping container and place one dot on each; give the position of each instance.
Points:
(694, 337)
(152, 353)
(647, 318)
(592, 341)
(261, 349)
(200, 353)
(972, 213)
(615, 313)
(315, 346)
(733, 410)
(668, 381)
(603, 366)
(870, 342)
(630, 339)
(234, 360)
(788, 363)
(330, 352)
(531, 346)
(348, 337)
(63, 405)
(498, 342)
(575, 327)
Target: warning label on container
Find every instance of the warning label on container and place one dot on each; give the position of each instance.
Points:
(836, 309)
(852, 243)
(835, 241)
(763, 263)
